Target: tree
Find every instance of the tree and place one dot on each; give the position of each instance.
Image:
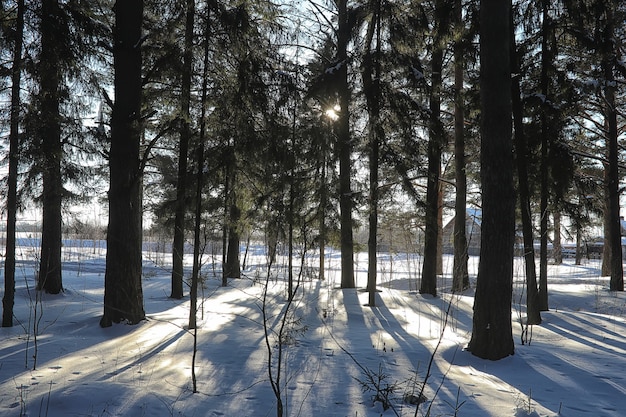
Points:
(521, 158)
(608, 64)
(492, 336)
(371, 89)
(436, 140)
(344, 145)
(594, 26)
(9, 263)
(53, 30)
(123, 295)
(460, 278)
(547, 125)
(178, 246)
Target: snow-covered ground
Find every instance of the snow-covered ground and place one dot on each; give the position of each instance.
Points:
(57, 361)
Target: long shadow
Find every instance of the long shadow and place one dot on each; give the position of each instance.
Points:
(420, 350)
(582, 374)
(381, 343)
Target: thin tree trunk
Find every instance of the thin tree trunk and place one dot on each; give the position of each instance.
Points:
(233, 268)
(460, 278)
(195, 271)
(8, 300)
(322, 213)
(50, 63)
(606, 223)
(543, 205)
(556, 243)
(371, 87)
(225, 226)
(492, 335)
(533, 311)
(123, 294)
(435, 144)
(344, 143)
(440, 192)
(616, 282)
(579, 238)
(178, 246)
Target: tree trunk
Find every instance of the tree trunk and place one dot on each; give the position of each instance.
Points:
(440, 191)
(195, 271)
(371, 88)
(435, 144)
(291, 216)
(8, 300)
(226, 222)
(556, 243)
(579, 238)
(545, 140)
(344, 145)
(232, 268)
(606, 217)
(460, 276)
(178, 246)
(533, 311)
(617, 273)
(50, 62)
(123, 295)
(322, 213)
(492, 336)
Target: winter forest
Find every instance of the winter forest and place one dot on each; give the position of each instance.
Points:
(312, 208)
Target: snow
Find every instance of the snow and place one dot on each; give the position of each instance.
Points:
(336, 345)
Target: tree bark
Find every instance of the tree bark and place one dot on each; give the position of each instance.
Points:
(8, 300)
(195, 272)
(533, 311)
(556, 243)
(492, 336)
(232, 269)
(123, 294)
(435, 145)
(460, 278)
(371, 88)
(178, 246)
(49, 278)
(616, 282)
(344, 145)
(322, 211)
(545, 133)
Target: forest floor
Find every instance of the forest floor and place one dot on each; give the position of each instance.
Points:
(340, 357)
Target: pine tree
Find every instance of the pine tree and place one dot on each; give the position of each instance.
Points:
(8, 299)
(521, 159)
(371, 88)
(178, 246)
(460, 280)
(123, 295)
(492, 336)
(595, 28)
(436, 141)
(344, 144)
(53, 36)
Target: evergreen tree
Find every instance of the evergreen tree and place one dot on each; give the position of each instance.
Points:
(521, 159)
(595, 28)
(371, 88)
(123, 295)
(344, 143)
(178, 246)
(54, 29)
(436, 141)
(460, 279)
(8, 299)
(492, 336)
